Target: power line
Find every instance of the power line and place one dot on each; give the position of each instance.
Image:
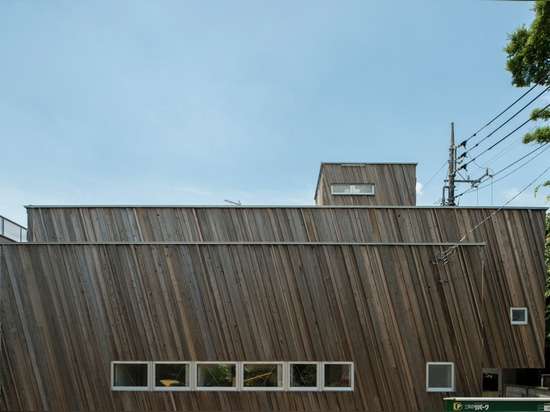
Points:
(505, 110)
(519, 167)
(524, 123)
(464, 166)
(448, 254)
(436, 173)
(507, 167)
(454, 161)
(498, 155)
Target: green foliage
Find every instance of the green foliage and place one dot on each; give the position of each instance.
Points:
(528, 49)
(539, 135)
(545, 184)
(540, 114)
(528, 61)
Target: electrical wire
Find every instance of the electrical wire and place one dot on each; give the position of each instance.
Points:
(468, 152)
(432, 178)
(545, 146)
(465, 165)
(512, 117)
(447, 255)
(508, 108)
(505, 151)
(513, 145)
(516, 129)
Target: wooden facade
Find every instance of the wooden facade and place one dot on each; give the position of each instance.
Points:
(393, 184)
(386, 288)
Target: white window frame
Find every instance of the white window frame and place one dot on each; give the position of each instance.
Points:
(304, 388)
(280, 374)
(234, 387)
(352, 189)
(348, 388)
(190, 376)
(450, 388)
(519, 322)
(115, 387)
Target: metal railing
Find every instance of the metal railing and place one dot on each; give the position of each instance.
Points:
(11, 230)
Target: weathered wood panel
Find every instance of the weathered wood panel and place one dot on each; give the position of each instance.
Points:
(288, 224)
(70, 309)
(387, 288)
(514, 238)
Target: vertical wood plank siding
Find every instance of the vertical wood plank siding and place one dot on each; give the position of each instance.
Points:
(288, 224)
(359, 284)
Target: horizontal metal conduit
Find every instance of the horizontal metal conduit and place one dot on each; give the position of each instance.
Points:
(259, 243)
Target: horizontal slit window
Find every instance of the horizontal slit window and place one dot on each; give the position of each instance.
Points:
(352, 189)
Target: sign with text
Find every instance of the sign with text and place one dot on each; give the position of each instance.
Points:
(497, 404)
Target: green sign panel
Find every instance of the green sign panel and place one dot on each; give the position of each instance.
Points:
(497, 404)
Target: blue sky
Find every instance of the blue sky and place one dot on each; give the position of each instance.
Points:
(191, 102)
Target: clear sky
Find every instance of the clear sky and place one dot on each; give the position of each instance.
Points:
(192, 102)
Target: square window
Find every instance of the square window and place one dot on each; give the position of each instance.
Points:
(440, 377)
(171, 376)
(216, 376)
(262, 376)
(303, 376)
(338, 376)
(130, 376)
(518, 316)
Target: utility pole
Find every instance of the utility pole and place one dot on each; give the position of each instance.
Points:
(451, 180)
(452, 168)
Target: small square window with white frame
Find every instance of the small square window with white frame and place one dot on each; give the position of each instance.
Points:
(172, 376)
(130, 376)
(303, 376)
(518, 316)
(440, 377)
(220, 376)
(337, 376)
(262, 376)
